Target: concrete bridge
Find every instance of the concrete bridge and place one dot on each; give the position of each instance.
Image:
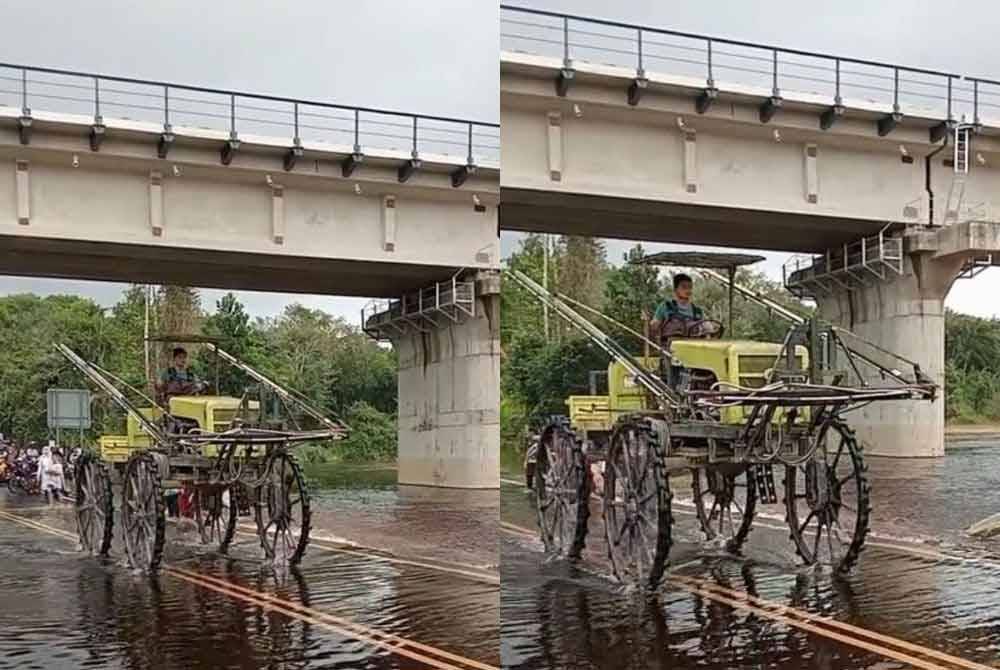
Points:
(128, 180)
(625, 131)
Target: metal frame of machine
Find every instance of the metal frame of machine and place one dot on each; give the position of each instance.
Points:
(248, 465)
(793, 418)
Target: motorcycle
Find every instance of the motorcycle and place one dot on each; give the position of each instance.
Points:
(24, 476)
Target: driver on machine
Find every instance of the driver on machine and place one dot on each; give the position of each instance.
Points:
(675, 316)
(177, 379)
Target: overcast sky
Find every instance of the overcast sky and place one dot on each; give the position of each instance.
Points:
(918, 33)
(440, 57)
(435, 56)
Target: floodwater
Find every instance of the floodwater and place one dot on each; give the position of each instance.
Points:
(396, 577)
(924, 594)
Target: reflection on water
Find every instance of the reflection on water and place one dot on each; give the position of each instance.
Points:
(60, 609)
(555, 615)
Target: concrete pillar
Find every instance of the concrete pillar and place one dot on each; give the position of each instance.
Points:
(905, 315)
(449, 398)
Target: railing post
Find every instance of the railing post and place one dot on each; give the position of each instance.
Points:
(895, 90)
(296, 140)
(415, 153)
(567, 63)
(775, 91)
(97, 101)
(837, 99)
(711, 77)
(357, 135)
(25, 110)
(166, 109)
(975, 101)
(949, 98)
(232, 116)
(470, 160)
(640, 71)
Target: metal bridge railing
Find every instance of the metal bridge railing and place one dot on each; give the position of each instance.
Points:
(420, 311)
(945, 95)
(238, 113)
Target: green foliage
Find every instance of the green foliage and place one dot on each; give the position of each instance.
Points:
(630, 292)
(972, 380)
(231, 325)
(372, 438)
(540, 375)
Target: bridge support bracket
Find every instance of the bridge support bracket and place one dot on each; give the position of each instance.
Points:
(462, 174)
(831, 116)
(705, 100)
(163, 145)
(24, 129)
(888, 123)
(351, 163)
(769, 108)
(292, 157)
(563, 81)
(97, 134)
(940, 131)
(229, 150)
(407, 169)
(636, 89)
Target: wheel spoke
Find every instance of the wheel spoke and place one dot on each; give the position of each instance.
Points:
(806, 522)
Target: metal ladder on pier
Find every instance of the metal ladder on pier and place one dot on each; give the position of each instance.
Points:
(956, 194)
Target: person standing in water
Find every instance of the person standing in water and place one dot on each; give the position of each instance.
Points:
(51, 477)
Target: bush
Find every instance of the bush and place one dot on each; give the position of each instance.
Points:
(373, 435)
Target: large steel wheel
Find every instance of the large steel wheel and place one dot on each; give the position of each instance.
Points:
(562, 491)
(216, 515)
(283, 513)
(827, 500)
(143, 513)
(94, 505)
(637, 499)
(725, 499)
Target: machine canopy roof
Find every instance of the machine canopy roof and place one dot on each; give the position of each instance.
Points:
(699, 259)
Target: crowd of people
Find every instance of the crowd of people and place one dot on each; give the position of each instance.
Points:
(32, 470)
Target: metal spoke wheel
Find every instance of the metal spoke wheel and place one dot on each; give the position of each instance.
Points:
(562, 491)
(283, 514)
(725, 498)
(94, 505)
(637, 499)
(143, 513)
(827, 500)
(216, 512)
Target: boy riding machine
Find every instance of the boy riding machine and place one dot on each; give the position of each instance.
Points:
(233, 453)
(726, 412)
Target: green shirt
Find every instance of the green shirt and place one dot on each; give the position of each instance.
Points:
(669, 309)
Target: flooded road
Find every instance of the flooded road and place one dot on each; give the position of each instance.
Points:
(403, 600)
(924, 595)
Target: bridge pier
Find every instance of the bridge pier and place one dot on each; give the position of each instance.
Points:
(904, 313)
(449, 383)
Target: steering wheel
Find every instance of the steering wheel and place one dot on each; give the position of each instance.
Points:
(707, 329)
(702, 329)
